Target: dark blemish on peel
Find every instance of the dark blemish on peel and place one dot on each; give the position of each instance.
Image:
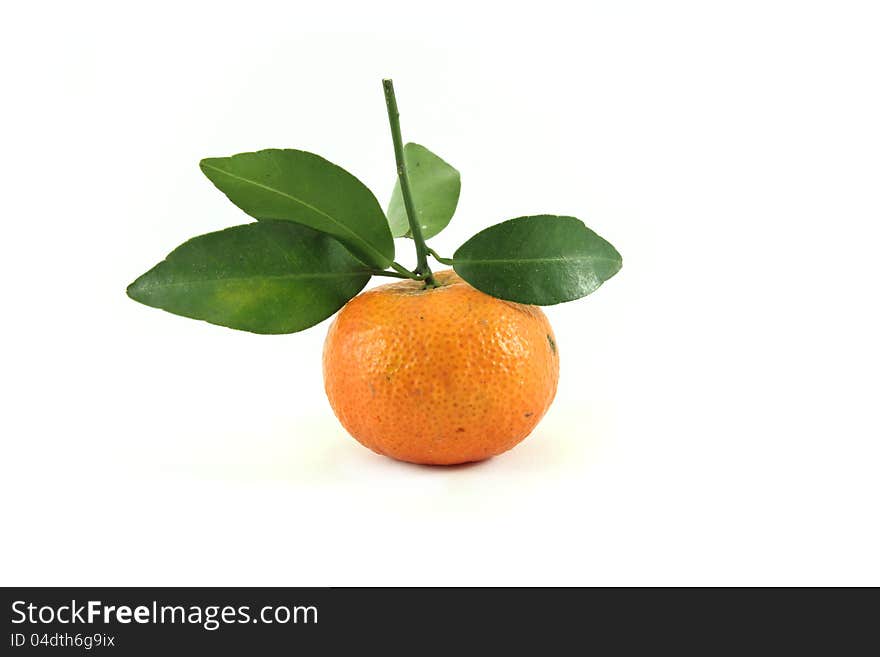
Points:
(552, 343)
(459, 430)
(529, 414)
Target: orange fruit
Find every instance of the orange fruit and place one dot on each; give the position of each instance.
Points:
(440, 375)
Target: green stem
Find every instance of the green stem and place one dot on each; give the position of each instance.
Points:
(415, 229)
(438, 258)
(400, 269)
(392, 274)
(399, 272)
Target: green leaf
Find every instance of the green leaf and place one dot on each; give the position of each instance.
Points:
(296, 186)
(540, 260)
(435, 189)
(266, 277)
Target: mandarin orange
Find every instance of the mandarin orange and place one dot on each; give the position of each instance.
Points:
(439, 375)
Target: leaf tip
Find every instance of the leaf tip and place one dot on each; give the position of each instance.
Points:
(140, 288)
(132, 290)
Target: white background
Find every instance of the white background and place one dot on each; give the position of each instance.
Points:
(716, 421)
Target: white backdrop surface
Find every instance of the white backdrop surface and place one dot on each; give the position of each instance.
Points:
(716, 421)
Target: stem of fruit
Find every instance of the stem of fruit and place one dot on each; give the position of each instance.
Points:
(422, 268)
(400, 269)
(392, 274)
(439, 258)
(399, 272)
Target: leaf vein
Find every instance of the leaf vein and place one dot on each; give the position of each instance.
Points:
(305, 204)
(256, 278)
(529, 260)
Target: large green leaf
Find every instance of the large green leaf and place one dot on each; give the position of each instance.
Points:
(265, 277)
(540, 260)
(302, 187)
(435, 188)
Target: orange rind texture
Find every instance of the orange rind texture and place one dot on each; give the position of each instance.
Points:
(440, 375)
